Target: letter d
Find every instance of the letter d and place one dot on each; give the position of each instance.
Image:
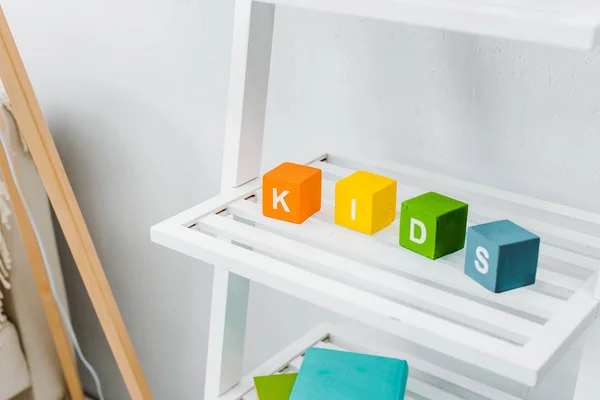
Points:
(421, 239)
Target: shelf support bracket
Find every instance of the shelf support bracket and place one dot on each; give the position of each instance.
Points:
(248, 87)
(247, 103)
(588, 384)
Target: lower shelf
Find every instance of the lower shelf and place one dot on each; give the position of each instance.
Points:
(518, 334)
(426, 381)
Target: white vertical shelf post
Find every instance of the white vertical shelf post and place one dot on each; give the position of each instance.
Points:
(227, 333)
(588, 380)
(248, 87)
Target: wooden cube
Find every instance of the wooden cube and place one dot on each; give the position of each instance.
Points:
(501, 255)
(274, 387)
(292, 192)
(365, 202)
(339, 375)
(433, 225)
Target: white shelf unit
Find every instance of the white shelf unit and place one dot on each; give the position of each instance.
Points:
(518, 335)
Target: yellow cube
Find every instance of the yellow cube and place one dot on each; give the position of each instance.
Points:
(365, 202)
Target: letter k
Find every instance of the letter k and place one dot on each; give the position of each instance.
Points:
(280, 199)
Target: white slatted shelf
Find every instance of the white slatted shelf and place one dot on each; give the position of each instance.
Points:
(426, 381)
(572, 23)
(518, 334)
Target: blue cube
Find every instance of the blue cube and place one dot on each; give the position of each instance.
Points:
(339, 375)
(501, 255)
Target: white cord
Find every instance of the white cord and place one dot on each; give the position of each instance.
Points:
(61, 307)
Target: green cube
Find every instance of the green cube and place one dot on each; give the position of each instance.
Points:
(433, 225)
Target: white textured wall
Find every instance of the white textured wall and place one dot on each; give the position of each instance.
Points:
(135, 93)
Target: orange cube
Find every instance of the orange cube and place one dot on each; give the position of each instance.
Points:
(292, 192)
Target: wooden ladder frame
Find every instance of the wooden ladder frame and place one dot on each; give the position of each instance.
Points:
(249, 77)
(34, 129)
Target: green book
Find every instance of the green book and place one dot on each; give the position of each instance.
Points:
(274, 387)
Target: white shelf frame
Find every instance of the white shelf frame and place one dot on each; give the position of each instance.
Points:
(570, 23)
(518, 335)
(250, 63)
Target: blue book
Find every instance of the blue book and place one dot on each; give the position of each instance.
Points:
(339, 375)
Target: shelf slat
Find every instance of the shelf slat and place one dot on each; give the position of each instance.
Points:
(485, 204)
(464, 310)
(363, 248)
(571, 23)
